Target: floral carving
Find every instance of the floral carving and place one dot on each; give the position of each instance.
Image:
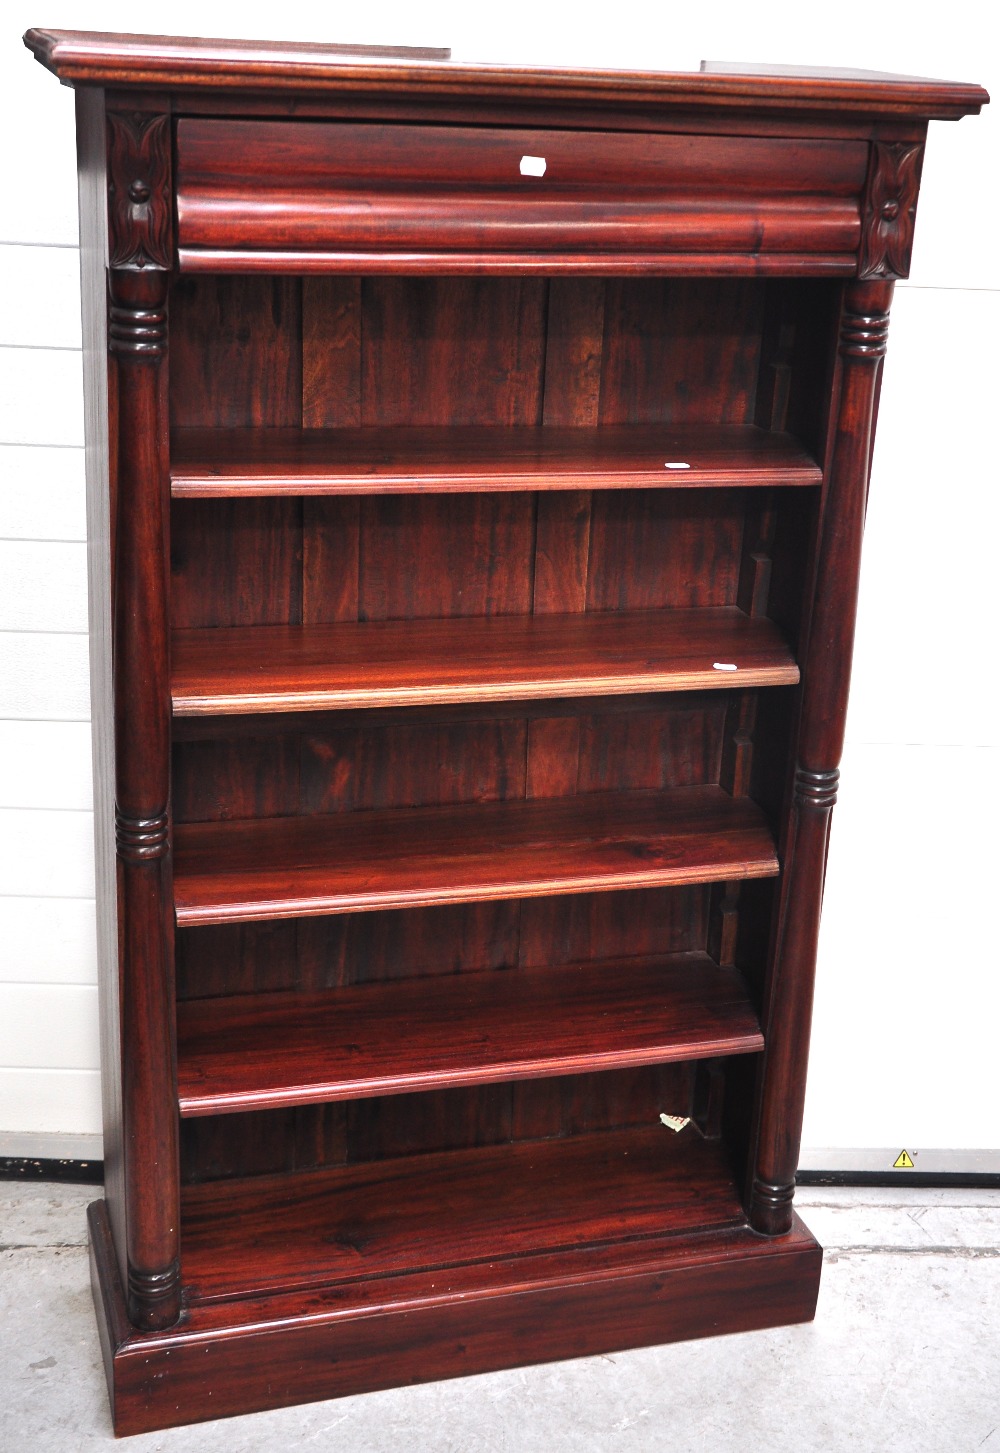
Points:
(889, 210)
(139, 190)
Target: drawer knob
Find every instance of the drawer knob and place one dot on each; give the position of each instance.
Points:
(532, 166)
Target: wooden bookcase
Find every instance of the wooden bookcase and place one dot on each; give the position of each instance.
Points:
(477, 465)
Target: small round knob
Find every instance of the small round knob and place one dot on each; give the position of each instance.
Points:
(890, 210)
(138, 192)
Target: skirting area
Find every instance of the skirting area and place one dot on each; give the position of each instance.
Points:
(901, 1356)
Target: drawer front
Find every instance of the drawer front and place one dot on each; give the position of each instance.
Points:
(371, 196)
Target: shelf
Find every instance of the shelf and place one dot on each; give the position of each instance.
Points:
(479, 658)
(226, 872)
(262, 1051)
(449, 1209)
(218, 462)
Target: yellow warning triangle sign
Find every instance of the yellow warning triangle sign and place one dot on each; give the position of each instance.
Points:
(903, 1161)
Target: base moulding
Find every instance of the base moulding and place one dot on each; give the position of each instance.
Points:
(246, 1354)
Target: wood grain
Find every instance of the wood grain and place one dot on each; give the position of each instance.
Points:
(574, 340)
(236, 353)
(137, 343)
(284, 867)
(95, 58)
(237, 1356)
(222, 155)
(331, 353)
(211, 462)
(740, 263)
(653, 550)
(681, 353)
(439, 555)
(328, 952)
(449, 351)
(239, 563)
(460, 1029)
(497, 1202)
(411, 190)
(480, 658)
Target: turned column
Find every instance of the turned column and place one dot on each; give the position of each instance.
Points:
(826, 671)
(140, 256)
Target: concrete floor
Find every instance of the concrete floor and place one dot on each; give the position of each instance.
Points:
(904, 1355)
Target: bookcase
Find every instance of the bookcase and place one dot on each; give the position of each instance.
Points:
(477, 462)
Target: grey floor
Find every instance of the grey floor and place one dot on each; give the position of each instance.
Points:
(904, 1355)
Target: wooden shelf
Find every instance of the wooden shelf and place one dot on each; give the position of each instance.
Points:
(357, 1222)
(214, 462)
(261, 1051)
(226, 872)
(480, 658)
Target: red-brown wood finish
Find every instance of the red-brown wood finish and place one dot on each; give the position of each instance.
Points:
(214, 463)
(251, 1354)
(182, 63)
(459, 1029)
(99, 405)
(140, 253)
(408, 663)
(308, 188)
(471, 610)
(322, 1228)
(281, 867)
(864, 329)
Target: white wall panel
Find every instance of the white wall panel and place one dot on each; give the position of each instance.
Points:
(953, 195)
(43, 493)
(46, 854)
(41, 396)
(926, 624)
(44, 677)
(45, 764)
(48, 941)
(46, 1026)
(40, 297)
(50, 1101)
(38, 198)
(43, 585)
(908, 990)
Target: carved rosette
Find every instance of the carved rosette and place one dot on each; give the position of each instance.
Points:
(889, 209)
(139, 182)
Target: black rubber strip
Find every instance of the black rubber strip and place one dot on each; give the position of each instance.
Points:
(79, 1172)
(899, 1179)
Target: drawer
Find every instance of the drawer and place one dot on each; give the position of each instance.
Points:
(331, 195)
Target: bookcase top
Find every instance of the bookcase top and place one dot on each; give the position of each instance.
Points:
(94, 58)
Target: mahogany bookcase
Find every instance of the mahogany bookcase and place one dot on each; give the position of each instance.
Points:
(477, 462)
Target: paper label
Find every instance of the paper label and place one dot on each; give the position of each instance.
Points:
(675, 1122)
